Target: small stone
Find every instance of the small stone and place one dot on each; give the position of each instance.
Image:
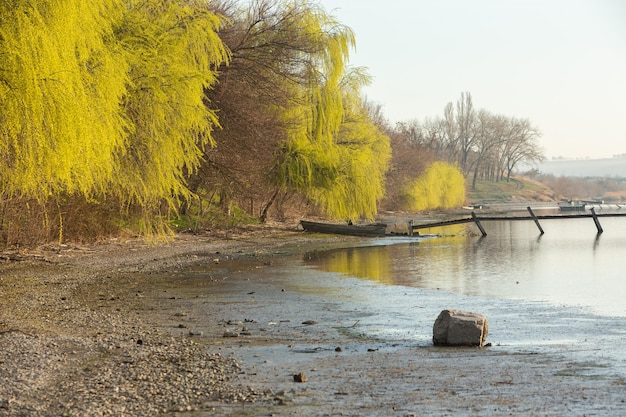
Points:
(195, 333)
(309, 322)
(229, 333)
(338, 349)
(300, 377)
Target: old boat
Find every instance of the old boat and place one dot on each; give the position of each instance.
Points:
(572, 205)
(371, 229)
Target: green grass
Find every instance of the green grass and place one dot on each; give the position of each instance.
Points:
(504, 192)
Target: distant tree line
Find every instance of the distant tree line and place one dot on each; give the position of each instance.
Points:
(610, 190)
(483, 144)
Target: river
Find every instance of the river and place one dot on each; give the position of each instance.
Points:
(563, 291)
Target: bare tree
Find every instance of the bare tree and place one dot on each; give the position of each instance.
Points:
(410, 157)
(465, 119)
(450, 130)
(376, 114)
(490, 133)
(520, 146)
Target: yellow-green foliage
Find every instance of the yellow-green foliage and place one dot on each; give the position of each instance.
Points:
(315, 111)
(334, 154)
(104, 102)
(105, 98)
(60, 91)
(441, 186)
(358, 182)
(173, 50)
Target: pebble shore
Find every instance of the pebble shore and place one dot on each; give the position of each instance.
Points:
(63, 355)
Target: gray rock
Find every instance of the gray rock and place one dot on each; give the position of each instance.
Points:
(460, 328)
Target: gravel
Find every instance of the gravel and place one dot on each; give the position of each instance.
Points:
(66, 349)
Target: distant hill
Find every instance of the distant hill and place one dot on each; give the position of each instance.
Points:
(609, 167)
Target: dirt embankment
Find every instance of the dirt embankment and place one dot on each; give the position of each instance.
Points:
(81, 335)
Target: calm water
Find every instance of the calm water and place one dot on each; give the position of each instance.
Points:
(563, 292)
(570, 265)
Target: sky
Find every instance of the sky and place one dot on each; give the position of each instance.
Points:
(559, 63)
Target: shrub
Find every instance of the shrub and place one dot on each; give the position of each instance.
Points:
(440, 186)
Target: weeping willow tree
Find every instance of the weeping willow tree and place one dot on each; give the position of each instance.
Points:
(361, 156)
(173, 52)
(60, 92)
(334, 154)
(105, 98)
(442, 185)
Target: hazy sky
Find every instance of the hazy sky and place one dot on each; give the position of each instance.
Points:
(559, 63)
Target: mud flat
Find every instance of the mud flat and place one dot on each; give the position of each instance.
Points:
(117, 328)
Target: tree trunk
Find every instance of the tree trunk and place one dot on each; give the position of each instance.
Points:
(474, 179)
(267, 206)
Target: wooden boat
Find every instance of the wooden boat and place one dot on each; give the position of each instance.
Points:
(372, 229)
(572, 205)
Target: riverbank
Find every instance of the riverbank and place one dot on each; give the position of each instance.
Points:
(112, 329)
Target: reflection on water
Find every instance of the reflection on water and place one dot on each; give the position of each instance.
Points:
(568, 265)
(372, 262)
(379, 262)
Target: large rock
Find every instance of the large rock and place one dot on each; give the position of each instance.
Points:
(460, 328)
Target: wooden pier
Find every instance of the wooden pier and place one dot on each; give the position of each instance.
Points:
(532, 216)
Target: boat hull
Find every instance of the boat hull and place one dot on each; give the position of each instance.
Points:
(374, 229)
(571, 205)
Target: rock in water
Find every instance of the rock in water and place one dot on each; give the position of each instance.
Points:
(460, 328)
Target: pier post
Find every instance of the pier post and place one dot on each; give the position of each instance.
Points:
(596, 221)
(411, 227)
(480, 227)
(535, 219)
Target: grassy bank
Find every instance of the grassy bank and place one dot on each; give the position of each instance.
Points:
(518, 189)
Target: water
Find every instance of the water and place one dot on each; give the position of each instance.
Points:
(569, 265)
(564, 291)
(560, 294)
